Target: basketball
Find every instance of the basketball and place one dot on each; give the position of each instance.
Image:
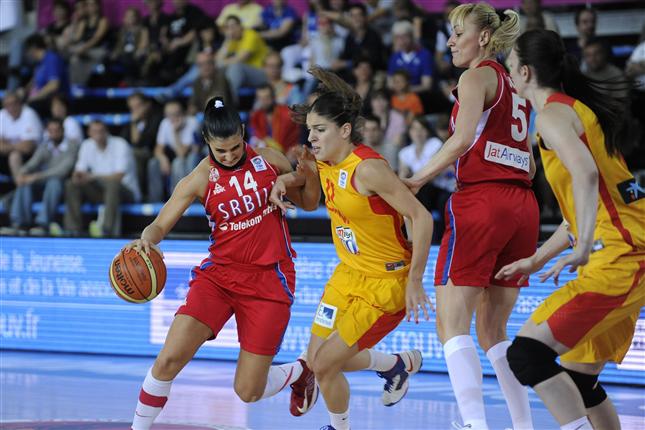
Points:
(137, 277)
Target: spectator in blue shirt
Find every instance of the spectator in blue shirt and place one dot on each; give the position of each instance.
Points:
(406, 55)
(50, 75)
(279, 25)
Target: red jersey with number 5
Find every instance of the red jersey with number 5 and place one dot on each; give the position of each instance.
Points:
(500, 150)
(246, 228)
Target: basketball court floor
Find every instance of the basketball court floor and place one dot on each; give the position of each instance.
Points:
(99, 392)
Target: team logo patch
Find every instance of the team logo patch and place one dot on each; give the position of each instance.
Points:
(213, 175)
(342, 178)
(397, 265)
(218, 189)
(347, 238)
(506, 155)
(631, 191)
(258, 163)
(325, 315)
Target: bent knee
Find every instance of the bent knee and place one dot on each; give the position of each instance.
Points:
(248, 392)
(489, 339)
(532, 361)
(167, 366)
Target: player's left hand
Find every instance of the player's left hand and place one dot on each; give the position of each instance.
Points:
(574, 260)
(416, 300)
(278, 191)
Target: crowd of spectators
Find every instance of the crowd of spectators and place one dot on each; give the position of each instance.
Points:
(393, 52)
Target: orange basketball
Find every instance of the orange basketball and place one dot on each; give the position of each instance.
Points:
(137, 277)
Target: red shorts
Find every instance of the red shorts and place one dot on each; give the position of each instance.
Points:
(219, 291)
(487, 226)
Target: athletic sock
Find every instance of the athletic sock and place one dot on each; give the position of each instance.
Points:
(516, 395)
(281, 376)
(579, 424)
(340, 421)
(152, 398)
(381, 362)
(465, 373)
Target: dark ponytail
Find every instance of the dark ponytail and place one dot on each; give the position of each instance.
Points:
(220, 121)
(337, 101)
(544, 51)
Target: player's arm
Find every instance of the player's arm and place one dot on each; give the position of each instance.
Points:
(556, 126)
(191, 187)
(374, 176)
(302, 187)
(532, 165)
(472, 95)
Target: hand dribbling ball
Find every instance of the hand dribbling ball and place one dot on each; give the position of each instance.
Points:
(137, 277)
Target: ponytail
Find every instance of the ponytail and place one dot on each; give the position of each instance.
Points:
(544, 51)
(503, 32)
(220, 121)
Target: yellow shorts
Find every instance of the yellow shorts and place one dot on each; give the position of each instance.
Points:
(595, 314)
(361, 308)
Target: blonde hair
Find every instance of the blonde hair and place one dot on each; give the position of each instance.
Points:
(503, 33)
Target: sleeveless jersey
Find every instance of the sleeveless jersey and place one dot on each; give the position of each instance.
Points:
(245, 227)
(499, 152)
(621, 207)
(367, 232)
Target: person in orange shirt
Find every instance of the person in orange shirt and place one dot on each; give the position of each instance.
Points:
(404, 100)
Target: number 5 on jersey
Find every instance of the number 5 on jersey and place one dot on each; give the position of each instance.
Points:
(249, 183)
(519, 133)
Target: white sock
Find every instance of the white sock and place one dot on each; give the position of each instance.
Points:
(466, 378)
(579, 424)
(340, 421)
(281, 376)
(152, 398)
(381, 362)
(516, 395)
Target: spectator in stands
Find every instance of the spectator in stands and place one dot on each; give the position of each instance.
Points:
(585, 20)
(43, 175)
(20, 133)
(404, 100)
(424, 26)
(374, 137)
(242, 54)
(131, 47)
(175, 153)
(380, 17)
(532, 16)
(442, 56)
(248, 12)
(364, 82)
(157, 25)
(210, 82)
(279, 22)
(88, 48)
(55, 32)
(270, 124)
(325, 48)
(58, 109)
(50, 74)
(636, 70)
(182, 31)
(392, 122)
(104, 173)
(596, 55)
(362, 41)
(141, 133)
(286, 93)
(409, 56)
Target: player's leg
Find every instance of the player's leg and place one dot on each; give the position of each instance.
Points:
(493, 311)
(184, 338)
(455, 308)
(327, 365)
(600, 409)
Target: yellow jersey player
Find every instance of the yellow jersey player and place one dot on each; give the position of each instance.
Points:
(591, 319)
(378, 279)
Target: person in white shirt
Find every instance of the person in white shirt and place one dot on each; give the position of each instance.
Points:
(175, 154)
(104, 173)
(20, 132)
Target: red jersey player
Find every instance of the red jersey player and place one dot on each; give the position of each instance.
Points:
(492, 218)
(249, 271)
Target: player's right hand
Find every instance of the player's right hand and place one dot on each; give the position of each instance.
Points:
(412, 185)
(278, 191)
(142, 245)
(523, 267)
